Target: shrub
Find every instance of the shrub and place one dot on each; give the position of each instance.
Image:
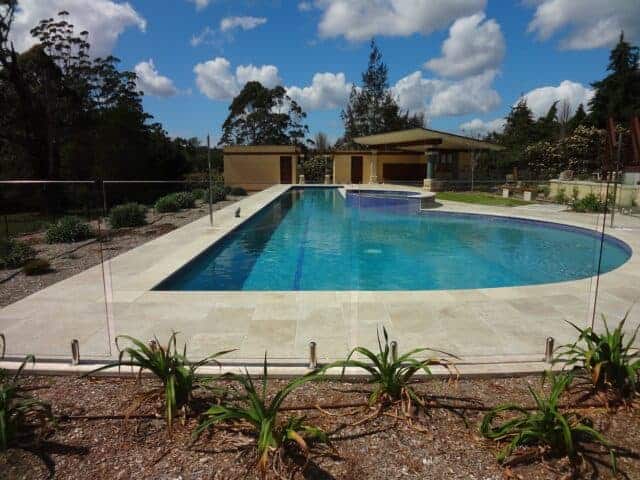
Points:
(610, 361)
(20, 414)
(544, 426)
(177, 374)
(128, 215)
(561, 196)
(14, 254)
(252, 406)
(391, 376)
(219, 193)
(590, 203)
(185, 200)
(168, 203)
(314, 169)
(67, 230)
(200, 194)
(238, 191)
(36, 266)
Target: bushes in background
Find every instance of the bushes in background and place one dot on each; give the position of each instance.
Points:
(590, 203)
(200, 194)
(128, 215)
(67, 230)
(168, 203)
(37, 266)
(185, 200)
(14, 254)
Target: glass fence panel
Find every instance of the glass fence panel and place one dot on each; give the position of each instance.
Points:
(51, 277)
(483, 270)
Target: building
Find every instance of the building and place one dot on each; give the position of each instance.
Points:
(414, 156)
(258, 167)
(417, 155)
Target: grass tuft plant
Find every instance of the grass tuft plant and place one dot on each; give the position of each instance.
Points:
(168, 364)
(391, 376)
(254, 408)
(611, 361)
(20, 414)
(561, 433)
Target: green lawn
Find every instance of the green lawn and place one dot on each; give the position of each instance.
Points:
(480, 198)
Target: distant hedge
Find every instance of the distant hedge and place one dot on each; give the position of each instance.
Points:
(128, 215)
(13, 254)
(67, 230)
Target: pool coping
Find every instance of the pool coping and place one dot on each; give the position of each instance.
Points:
(127, 287)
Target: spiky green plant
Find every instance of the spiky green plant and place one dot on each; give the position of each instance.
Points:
(611, 361)
(261, 413)
(392, 377)
(168, 364)
(546, 425)
(19, 413)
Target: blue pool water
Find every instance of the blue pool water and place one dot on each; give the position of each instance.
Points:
(314, 239)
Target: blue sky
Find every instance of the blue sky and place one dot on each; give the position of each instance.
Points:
(462, 63)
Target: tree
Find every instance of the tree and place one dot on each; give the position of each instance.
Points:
(67, 115)
(618, 94)
(321, 143)
(579, 118)
(519, 131)
(547, 127)
(372, 108)
(263, 116)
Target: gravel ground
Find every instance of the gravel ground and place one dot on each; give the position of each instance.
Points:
(68, 259)
(439, 444)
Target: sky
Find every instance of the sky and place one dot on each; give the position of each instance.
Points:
(462, 63)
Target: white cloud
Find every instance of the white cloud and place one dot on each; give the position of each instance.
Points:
(438, 98)
(200, 4)
(587, 23)
(472, 47)
(305, 6)
(215, 79)
(105, 20)
(267, 75)
(479, 127)
(151, 82)
(327, 91)
(245, 23)
(205, 36)
(540, 99)
(358, 20)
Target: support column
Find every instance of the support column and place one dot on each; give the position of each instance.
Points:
(373, 167)
(429, 182)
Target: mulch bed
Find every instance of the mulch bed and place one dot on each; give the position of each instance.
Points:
(439, 444)
(69, 259)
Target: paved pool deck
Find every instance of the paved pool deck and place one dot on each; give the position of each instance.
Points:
(506, 327)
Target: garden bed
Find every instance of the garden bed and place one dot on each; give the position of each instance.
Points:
(68, 259)
(439, 443)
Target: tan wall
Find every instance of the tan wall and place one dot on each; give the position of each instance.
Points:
(342, 165)
(255, 171)
(626, 195)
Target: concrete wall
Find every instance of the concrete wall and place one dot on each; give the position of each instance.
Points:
(253, 171)
(342, 164)
(626, 196)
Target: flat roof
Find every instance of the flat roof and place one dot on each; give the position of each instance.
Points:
(265, 149)
(423, 139)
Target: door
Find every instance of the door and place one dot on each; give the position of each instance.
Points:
(356, 169)
(285, 170)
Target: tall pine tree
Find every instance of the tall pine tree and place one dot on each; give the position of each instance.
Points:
(618, 94)
(372, 108)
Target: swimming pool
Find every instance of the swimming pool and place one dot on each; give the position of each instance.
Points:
(316, 239)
